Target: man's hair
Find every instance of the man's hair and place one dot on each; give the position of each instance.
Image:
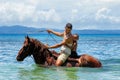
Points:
(68, 25)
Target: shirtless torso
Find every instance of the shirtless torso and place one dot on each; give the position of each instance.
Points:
(67, 39)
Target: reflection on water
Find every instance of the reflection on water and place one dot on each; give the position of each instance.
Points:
(60, 73)
(67, 73)
(51, 73)
(35, 73)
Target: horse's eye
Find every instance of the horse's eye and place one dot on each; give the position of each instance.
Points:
(25, 47)
(25, 42)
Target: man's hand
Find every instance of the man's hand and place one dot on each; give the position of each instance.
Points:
(49, 31)
(47, 46)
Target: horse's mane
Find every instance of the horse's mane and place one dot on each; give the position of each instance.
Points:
(37, 42)
(40, 51)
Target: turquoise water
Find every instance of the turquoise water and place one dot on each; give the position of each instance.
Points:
(104, 47)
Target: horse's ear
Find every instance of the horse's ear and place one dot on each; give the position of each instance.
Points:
(27, 37)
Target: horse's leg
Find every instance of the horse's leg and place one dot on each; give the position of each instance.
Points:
(72, 64)
(50, 61)
(53, 60)
(77, 65)
(69, 65)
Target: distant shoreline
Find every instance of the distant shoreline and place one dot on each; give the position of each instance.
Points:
(30, 30)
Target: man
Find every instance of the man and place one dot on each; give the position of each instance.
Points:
(67, 39)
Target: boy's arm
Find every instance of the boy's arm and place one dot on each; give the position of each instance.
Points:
(71, 47)
(68, 46)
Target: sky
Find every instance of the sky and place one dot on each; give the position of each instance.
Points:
(55, 14)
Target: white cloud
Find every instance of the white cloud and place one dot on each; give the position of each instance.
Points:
(82, 13)
(108, 0)
(74, 15)
(103, 14)
(49, 15)
(12, 12)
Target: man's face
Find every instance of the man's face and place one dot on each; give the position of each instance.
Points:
(68, 30)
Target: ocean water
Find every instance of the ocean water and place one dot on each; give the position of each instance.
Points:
(104, 47)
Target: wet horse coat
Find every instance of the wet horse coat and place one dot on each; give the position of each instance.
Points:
(45, 57)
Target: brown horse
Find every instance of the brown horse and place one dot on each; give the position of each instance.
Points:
(45, 57)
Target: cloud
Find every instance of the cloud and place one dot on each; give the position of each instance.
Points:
(49, 15)
(104, 14)
(82, 13)
(12, 12)
(106, 0)
(101, 13)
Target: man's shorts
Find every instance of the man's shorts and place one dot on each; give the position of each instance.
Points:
(63, 57)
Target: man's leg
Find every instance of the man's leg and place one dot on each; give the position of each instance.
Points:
(73, 59)
(61, 59)
(59, 62)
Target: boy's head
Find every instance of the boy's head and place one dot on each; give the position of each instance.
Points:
(76, 36)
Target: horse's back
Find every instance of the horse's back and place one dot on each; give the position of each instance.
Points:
(86, 61)
(89, 61)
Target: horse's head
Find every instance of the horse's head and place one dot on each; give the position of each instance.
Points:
(26, 50)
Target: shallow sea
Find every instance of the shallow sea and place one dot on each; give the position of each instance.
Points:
(104, 47)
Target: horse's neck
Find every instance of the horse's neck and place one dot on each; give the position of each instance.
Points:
(40, 54)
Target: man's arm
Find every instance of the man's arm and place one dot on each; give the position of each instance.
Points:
(54, 32)
(57, 45)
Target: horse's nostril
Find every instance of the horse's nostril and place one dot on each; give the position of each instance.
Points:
(19, 59)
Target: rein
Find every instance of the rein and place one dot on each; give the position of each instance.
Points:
(50, 35)
(40, 31)
(53, 37)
